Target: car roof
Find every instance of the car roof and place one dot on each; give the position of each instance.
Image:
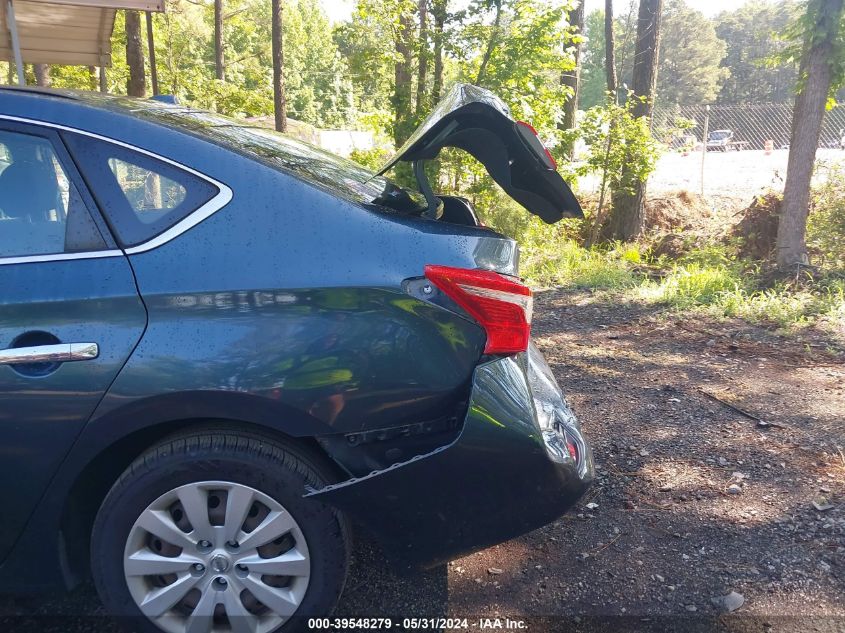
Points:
(36, 90)
(127, 119)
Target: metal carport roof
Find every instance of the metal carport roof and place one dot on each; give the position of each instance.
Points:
(75, 32)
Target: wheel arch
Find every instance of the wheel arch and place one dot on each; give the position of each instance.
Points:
(108, 456)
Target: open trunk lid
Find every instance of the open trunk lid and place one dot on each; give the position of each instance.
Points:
(477, 121)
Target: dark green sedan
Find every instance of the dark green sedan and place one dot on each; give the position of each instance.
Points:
(223, 351)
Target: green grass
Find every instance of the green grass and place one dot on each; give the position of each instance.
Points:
(693, 284)
(788, 307)
(707, 280)
(573, 266)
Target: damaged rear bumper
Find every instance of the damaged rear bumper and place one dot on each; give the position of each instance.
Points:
(503, 476)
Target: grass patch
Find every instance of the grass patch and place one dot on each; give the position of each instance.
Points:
(551, 257)
(709, 279)
(785, 306)
(691, 285)
(573, 266)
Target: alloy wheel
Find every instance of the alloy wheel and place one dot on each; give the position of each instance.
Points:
(216, 556)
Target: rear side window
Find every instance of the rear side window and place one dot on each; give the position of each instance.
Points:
(140, 195)
(148, 192)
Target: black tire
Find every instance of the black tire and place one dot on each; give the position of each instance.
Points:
(277, 470)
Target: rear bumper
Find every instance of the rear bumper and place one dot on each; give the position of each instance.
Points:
(500, 478)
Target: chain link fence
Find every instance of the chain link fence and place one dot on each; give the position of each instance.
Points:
(752, 123)
(740, 175)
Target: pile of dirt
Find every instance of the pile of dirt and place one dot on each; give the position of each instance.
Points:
(682, 210)
(757, 230)
(671, 245)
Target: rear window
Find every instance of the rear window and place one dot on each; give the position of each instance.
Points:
(141, 196)
(340, 176)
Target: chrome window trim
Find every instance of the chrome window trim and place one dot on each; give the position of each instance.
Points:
(223, 197)
(57, 257)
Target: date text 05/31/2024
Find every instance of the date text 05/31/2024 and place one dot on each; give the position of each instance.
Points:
(431, 624)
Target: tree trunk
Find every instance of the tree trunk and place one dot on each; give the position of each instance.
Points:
(610, 50)
(572, 78)
(422, 56)
(42, 75)
(491, 43)
(817, 60)
(279, 101)
(151, 50)
(647, 54)
(402, 89)
(219, 71)
(135, 84)
(439, 12)
(626, 219)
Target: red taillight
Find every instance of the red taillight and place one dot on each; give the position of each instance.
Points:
(502, 305)
(536, 143)
(572, 447)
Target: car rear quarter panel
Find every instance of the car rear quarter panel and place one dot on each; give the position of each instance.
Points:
(292, 296)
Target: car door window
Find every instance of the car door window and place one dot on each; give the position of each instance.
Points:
(140, 195)
(41, 211)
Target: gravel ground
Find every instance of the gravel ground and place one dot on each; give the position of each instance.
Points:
(695, 501)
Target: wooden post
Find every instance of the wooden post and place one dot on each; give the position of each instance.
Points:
(12, 25)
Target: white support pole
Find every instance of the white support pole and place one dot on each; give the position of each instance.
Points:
(16, 44)
(703, 143)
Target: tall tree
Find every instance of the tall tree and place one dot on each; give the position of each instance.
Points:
(279, 100)
(821, 64)
(318, 86)
(422, 58)
(151, 49)
(42, 75)
(438, 11)
(219, 70)
(691, 54)
(593, 79)
(491, 41)
(610, 49)
(750, 33)
(626, 218)
(402, 78)
(572, 78)
(135, 83)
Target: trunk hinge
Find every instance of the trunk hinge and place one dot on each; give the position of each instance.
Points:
(435, 205)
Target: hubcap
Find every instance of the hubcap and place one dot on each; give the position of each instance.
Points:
(216, 556)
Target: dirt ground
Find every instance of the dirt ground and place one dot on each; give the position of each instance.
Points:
(694, 499)
(667, 534)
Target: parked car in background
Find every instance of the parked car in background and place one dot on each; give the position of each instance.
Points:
(223, 351)
(724, 141)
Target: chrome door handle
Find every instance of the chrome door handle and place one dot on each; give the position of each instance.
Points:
(58, 353)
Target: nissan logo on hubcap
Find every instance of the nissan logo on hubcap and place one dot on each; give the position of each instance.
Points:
(220, 563)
